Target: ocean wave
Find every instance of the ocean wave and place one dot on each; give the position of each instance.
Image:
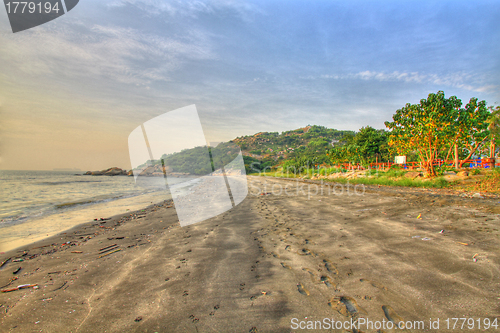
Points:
(95, 200)
(67, 182)
(102, 199)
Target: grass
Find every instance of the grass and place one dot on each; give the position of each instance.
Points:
(391, 177)
(489, 183)
(489, 180)
(438, 182)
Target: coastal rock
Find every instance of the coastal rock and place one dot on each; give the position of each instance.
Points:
(108, 172)
(155, 171)
(413, 174)
(114, 172)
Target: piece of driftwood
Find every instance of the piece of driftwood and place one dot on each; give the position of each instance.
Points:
(107, 254)
(23, 286)
(5, 262)
(110, 249)
(107, 247)
(65, 282)
(12, 279)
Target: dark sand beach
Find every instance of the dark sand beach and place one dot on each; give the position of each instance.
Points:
(380, 255)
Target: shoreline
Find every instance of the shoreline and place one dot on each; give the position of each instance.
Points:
(389, 190)
(58, 235)
(268, 260)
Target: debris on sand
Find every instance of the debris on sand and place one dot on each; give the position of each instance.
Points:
(65, 282)
(107, 254)
(23, 286)
(5, 262)
(106, 247)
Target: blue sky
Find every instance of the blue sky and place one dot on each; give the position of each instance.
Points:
(72, 90)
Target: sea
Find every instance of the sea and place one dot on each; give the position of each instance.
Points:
(39, 204)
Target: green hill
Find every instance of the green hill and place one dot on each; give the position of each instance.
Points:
(261, 150)
(267, 149)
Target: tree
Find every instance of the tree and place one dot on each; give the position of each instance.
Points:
(425, 127)
(494, 128)
(371, 143)
(363, 147)
(471, 127)
(438, 124)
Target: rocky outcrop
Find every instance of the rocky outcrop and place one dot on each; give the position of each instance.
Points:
(155, 170)
(413, 174)
(109, 172)
(150, 171)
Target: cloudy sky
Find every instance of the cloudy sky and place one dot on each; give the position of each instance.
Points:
(72, 90)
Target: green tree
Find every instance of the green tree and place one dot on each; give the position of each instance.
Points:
(425, 127)
(494, 128)
(438, 124)
(370, 143)
(471, 127)
(363, 147)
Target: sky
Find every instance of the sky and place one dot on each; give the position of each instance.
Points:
(72, 90)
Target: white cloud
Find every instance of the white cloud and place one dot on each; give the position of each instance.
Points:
(121, 54)
(191, 8)
(457, 80)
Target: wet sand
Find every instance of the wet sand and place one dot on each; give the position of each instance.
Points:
(380, 255)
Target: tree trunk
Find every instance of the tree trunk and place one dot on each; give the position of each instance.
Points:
(472, 152)
(492, 154)
(456, 156)
(432, 172)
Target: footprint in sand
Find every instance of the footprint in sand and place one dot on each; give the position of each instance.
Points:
(346, 306)
(308, 270)
(307, 252)
(302, 289)
(391, 315)
(313, 276)
(330, 267)
(216, 307)
(328, 281)
(285, 265)
(374, 283)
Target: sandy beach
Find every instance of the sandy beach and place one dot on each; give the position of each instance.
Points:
(278, 258)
